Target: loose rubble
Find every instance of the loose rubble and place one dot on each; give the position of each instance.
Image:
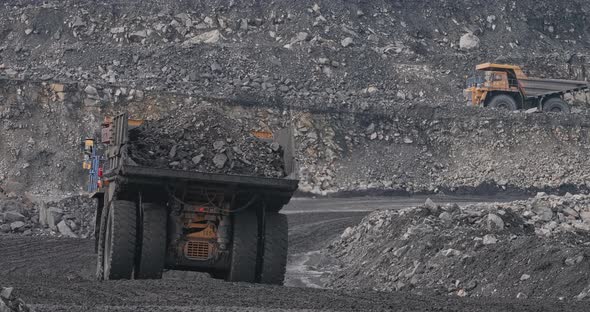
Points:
(206, 140)
(536, 248)
(71, 216)
(10, 303)
(65, 64)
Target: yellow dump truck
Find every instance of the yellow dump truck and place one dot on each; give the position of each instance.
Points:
(507, 87)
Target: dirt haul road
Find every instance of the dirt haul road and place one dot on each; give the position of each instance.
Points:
(53, 274)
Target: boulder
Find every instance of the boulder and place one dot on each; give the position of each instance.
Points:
(469, 41)
(495, 223)
(489, 239)
(5, 228)
(65, 230)
(209, 37)
(15, 226)
(54, 216)
(12, 216)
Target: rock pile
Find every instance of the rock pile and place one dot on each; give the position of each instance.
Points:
(533, 248)
(206, 140)
(439, 148)
(10, 303)
(67, 217)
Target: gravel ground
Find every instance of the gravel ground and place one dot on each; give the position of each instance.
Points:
(36, 267)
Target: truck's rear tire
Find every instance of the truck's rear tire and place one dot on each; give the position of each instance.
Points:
(556, 105)
(97, 221)
(120, 240)
(275, 249)
(100, 238)
(244, 247)
(153, 244)
(503, 101)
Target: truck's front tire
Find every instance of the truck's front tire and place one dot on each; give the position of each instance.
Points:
(503, 101)
(153, 245)
(556, 105)
(275, 249)
(119, 241)
(244, 247)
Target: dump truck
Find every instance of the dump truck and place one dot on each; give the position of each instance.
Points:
(149, 220)
(507, 87)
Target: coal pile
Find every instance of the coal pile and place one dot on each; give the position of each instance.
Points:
(537, 248)
(207, 141)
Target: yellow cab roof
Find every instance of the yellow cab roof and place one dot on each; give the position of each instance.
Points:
(492, 66)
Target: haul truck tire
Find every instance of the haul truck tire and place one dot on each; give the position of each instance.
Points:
(244, 247)
(556, 105)
(100, 237)
(120, 240)
(275, 249)
(153, 242)
(503, 101)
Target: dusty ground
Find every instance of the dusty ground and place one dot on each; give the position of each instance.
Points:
(54, 274)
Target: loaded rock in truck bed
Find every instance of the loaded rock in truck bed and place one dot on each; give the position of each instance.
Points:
(206, 141)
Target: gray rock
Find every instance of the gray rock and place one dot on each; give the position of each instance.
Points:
(217, 145)
(117, 30)
(543, 210)
(54, 216)
(78, 22)
(574, 260)
(12, 216)
(17, 225)
(6, 293)
(469, 41)
(138, 35)
(215, 67)
(219, 160)
(346, 42)
(302, 36)
(90, 90)
(431, 206)
(525, 277)
(400, 251)
(5, 228)
(445, 216)
(489, 239)
(471, 285)
(172, 152)
(4, 307)
(209, 37)
(197, 159)
(521, 296)
(495, 223)
(65, 230)
(275, 146)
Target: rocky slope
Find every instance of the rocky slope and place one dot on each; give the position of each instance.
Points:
(536, 248)
(374, 88)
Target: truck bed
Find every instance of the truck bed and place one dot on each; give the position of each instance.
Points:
(163, 176)
(535, 87)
